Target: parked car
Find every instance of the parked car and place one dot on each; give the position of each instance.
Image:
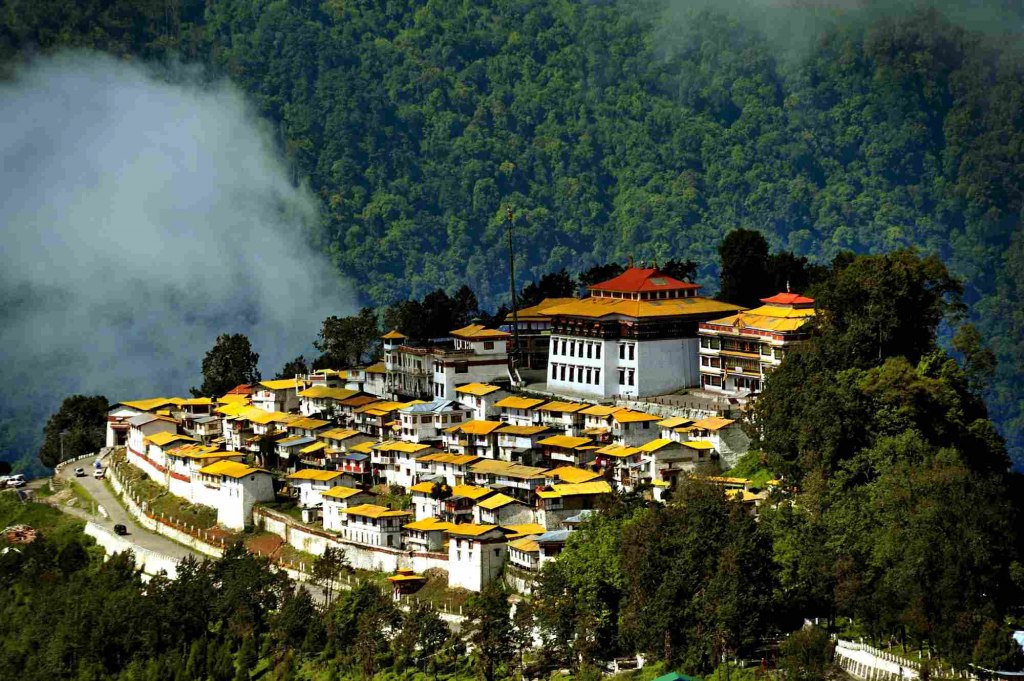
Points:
(16, 481)
(120, 529)
(98, 473)
(79, 472)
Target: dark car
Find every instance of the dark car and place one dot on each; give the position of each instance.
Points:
(120, 529)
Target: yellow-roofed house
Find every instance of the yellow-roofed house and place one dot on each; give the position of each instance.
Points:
(476, 554)
(394, 461)
(518, 444)
(375, 525)
(635, 335)
(502, 509)
(566, 449)
(278, 395)
(513, 479)
(335, 504)
(427, 421)
(426, 535)
(233, 488)
(738, 352)
(564, 416)
(311, 483)
(479, 438)
(520, 411)
(143, 427)
(557, 502)
(322, 401)
(481, 399)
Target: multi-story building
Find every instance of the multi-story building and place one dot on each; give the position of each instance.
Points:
(534, 326)
(277, 395)
(426, 422)
(473, 354)
(481, 398)
(634, 335)
(738, 352)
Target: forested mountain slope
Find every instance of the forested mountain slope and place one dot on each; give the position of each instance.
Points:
(417, 121)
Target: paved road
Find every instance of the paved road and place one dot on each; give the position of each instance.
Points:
(118, 515)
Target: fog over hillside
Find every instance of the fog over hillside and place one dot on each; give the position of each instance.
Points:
(141, 219)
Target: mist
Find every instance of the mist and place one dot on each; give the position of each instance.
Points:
(141, 219)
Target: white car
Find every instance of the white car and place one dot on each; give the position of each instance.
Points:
(98, 473)
(79, 472)
(16, 481)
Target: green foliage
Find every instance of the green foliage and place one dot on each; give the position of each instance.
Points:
(294, 367)
(347, 341)
(806, 655)
(230, 362)
(489, 628)
(77, 428)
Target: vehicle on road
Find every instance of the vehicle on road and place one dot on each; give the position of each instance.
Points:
(16, 480)
(98, 473)
(79, 472)
(120, 530)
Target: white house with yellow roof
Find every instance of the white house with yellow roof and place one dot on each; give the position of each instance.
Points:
(513, 479)
(566, 449)
(480, 355)
(394, 461)
(448, 466)
(481, 399)
(636, 334)
(738, 352)
(633, 428)
(426, 534)
(426, 421)
(563, 500)
(119, 415)
(233, 488)
(323, 401)
(502, 509)
(311, 483)
(564, 416)
(711, 437)
(478, 438)
(336, 502)
(278, 395)
(476, 554)
(518, 444)
(375, 525)
(185, 461)
(519, 411)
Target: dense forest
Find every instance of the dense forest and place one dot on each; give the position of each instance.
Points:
(613, 131)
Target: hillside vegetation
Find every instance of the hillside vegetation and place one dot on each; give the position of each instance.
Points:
(416, 121)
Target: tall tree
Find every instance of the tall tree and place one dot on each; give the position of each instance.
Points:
(347, 341)
(552, 285)
(489, 628)
(744, 258)
(230, 362)
(293, 367)
(77, 428)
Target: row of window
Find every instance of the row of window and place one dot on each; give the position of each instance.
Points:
(576, 374)
(573, 348)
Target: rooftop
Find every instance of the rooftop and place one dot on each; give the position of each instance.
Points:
(638, 279)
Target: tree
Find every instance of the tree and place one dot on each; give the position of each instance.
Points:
(328, 567)
(347, 341)
(979, 361)
(552, 285)
(683, 270)
(489, 629)
(229, 363)
(420, 636)
(806, 655)
(77, 428)
(744, 258)
(294, 367)
(599, 273)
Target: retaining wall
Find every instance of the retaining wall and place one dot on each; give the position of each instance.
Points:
(151, 562)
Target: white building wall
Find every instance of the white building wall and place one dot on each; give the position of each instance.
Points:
(237, 497)
(473, 563)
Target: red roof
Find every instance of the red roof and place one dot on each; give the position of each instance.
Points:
(635, 280)
(241, 389)
(788, 299)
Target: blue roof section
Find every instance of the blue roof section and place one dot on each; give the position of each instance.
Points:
(439, 404)
(554, 536)
(357, 457)
(579, 517)
(301, 441)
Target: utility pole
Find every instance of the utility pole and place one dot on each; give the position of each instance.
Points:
(514, 355)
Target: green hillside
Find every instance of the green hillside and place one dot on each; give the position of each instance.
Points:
(612, 135)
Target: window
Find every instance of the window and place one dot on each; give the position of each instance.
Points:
(561, 371)
(597, 350)
(590, 351)
(563, 346)
(588, 375)
(554, 370)
(622, 377)
(572, 371)
(597, 375)
(766, 349)
(632, 348)
(630, 375)
(488, 345)
(622, 352)
(462, 367)
(647, 425)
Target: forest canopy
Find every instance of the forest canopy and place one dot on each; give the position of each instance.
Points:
(416, 122)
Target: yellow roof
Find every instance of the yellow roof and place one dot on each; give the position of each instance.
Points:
(518, 402)
(478, 332)
(394, 334)
(197, 401)
(342, 492)
(713, 423)
(726, 480)
(401, 446)
(565, 441)
(428, 525)
(422, 488)
(618, 451)
(655, 445)
(232, 408)
(768, 318)
(477, 389)
(538, 312)
(525, 544)
(200, 452)
(315, 447)
(324, 391)
(523, 430)
(742, 495)
(375, 511)
(675, 422)
(364, 447)
(233, 399)
(470, 491)
(281, 384)
(444, 457)
(597, 307)
(476, 427)
(628, 416)
(572, 475)
(698, 444)
(569, 407)
(382, 407)
(308, 424)
(471, 529)
(403, 577)
(497, 501)
(285, 419)
(150, 403)
(378, 368)
(161, 439)
(579, 489)
(523, 529)
(507, 469)
(230, 469)
(314, 474)
(260, 416)
(338, 434)
(601, 410)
